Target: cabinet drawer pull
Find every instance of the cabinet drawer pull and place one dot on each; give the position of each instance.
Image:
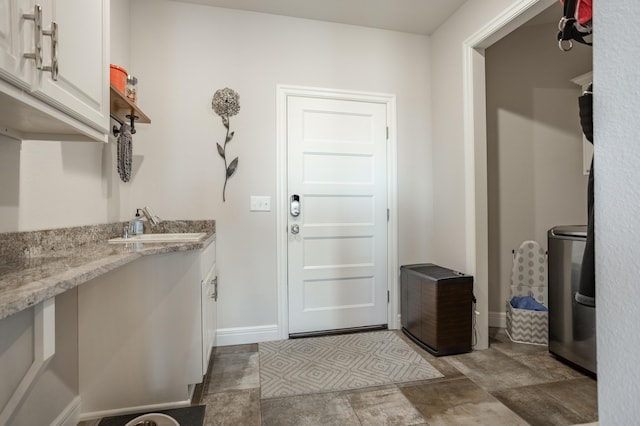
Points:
(53, 68)
(36, 17)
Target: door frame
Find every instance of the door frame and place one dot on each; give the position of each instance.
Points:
(282, 93)
(475, 148)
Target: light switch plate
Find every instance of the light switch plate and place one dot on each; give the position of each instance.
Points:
(260, 203)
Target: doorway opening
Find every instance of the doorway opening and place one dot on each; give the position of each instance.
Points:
(475, 148)
(536, 177)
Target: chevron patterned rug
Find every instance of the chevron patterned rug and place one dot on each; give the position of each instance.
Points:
(334, 363)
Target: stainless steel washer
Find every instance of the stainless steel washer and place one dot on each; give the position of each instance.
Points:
(572, 326)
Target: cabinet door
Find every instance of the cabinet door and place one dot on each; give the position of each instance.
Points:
(8, 55)
(82, 86)
(209, 303)
(16, 39)
(139, 334)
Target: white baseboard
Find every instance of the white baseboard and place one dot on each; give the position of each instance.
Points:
(498, 319)
(136, 409)
(69, 416)
(245, 335)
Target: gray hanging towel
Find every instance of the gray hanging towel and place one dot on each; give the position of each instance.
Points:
(125, 152)
(586, 294)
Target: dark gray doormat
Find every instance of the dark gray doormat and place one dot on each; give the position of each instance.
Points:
(187, 416)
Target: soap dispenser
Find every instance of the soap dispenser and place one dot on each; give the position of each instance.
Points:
(138, 225)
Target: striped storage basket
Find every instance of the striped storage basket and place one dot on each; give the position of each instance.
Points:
(528, 278)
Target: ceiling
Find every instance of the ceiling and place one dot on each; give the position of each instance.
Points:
(410, 16)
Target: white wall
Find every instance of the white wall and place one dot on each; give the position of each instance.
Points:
(617, 202)
(182, 53)
(119, 204)
(53, 184)
(120, 33)
(10, 189)
(449, 234)
(534, 145)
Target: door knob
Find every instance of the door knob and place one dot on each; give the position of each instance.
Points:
(295, 228)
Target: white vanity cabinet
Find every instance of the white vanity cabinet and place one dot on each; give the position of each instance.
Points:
(60, 90)
(140, 335)
(145, 332)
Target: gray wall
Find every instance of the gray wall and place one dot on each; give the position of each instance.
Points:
(534, 145)
(617, 193)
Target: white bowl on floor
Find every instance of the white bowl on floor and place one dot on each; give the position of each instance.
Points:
(159, 418)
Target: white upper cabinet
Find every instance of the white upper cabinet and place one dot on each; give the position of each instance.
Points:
(82, 85)
(54, 66)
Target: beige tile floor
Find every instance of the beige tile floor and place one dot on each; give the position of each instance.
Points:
(507, 384)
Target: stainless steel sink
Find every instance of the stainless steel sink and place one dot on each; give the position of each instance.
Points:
(180, 237)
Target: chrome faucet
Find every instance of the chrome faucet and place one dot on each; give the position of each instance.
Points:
(135, 226)
(151, 218)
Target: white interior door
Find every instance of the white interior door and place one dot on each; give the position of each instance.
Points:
(337, 245)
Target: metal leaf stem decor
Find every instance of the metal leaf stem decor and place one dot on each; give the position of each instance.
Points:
(226, 103)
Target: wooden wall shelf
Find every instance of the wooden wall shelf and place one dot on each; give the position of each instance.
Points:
(120, 107)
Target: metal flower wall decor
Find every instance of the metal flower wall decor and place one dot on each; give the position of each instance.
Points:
(226, 103)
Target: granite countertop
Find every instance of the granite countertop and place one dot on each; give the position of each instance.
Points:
(38, 265)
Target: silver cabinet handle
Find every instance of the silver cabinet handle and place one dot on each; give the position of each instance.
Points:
(295, 228)
(214, 296)
(53, 68)
(36, 17)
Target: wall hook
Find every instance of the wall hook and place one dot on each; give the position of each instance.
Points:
(115, 128)
(133, 119)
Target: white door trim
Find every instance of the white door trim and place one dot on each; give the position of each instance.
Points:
(475, 148)
(283, 91)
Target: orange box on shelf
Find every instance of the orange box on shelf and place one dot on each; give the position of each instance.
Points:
(118, 77)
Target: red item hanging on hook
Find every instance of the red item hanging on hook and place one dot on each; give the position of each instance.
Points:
(583, 11)
(575, 24)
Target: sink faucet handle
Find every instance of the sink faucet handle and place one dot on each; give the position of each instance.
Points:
(153, 219)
